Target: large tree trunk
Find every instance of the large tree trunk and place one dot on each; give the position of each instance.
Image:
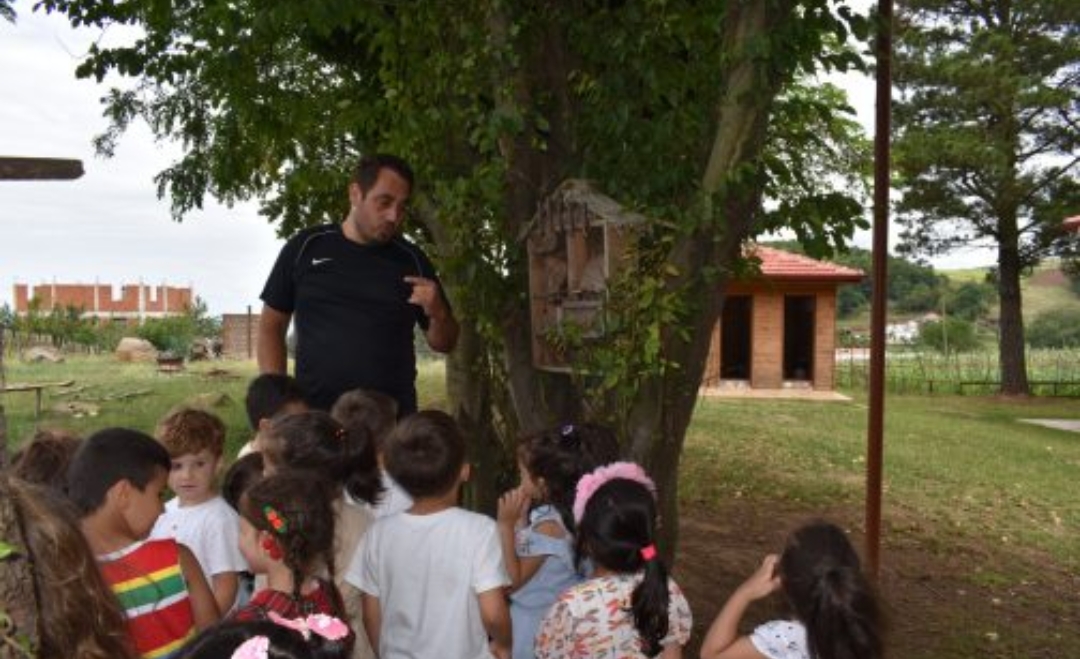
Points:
(18, 598)
(655, 424)
(1011, 351)
(662, 411)
(469, 390)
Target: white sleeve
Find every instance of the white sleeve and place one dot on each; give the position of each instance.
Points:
(363, 568)
(222, 540)
(780, 639)
(489, 570)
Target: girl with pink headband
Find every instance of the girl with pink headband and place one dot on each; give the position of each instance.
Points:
(630, 608)
(315, 636)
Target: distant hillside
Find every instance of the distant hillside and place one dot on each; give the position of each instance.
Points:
(1046, 288)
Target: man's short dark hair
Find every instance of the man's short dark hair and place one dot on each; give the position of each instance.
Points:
(367, 170)
(108, 457)
(268, 394)
(425, 453)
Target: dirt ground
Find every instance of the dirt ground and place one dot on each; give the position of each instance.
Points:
(944, 598)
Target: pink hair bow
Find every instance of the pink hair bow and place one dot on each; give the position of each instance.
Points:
(593, 481)
(256, 647)
(326, 626)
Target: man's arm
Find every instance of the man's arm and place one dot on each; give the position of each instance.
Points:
(442, 331)
(271, 353)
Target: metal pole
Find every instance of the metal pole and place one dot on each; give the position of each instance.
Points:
(875, 424)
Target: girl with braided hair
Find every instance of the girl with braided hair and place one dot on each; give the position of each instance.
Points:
(287, 534)
(836, 613)
(630, 608)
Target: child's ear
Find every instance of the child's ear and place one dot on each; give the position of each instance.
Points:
(120, 493)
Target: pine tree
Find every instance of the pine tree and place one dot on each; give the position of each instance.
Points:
(988, 125)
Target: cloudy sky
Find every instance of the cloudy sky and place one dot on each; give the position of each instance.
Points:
(109, 226)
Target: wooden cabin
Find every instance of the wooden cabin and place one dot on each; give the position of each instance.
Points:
(778, 329)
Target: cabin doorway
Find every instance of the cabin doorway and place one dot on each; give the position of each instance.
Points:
(736, 332)
(799, 311)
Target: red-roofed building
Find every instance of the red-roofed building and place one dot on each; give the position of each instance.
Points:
(778, 329)
(1072, 223)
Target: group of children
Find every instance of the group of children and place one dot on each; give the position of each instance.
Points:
(339, 535)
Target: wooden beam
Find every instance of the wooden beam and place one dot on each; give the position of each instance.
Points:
(39, 169)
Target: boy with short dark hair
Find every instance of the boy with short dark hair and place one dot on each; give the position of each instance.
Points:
(433, 542)
(269, 396)
(116, 480)
(198, 517)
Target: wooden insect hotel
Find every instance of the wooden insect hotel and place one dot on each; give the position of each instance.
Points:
(577, 242)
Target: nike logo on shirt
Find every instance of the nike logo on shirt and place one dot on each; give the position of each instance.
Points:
(319, 261)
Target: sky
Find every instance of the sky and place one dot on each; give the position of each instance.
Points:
(109, 226)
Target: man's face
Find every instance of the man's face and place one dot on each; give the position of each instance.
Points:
(377, 216)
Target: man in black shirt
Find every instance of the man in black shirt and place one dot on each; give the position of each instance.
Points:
(356, 290)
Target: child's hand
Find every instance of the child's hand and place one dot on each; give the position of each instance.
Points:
(513, 506)
(764, 581)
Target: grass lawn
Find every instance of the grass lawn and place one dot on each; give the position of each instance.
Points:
(961, 462)
(981, 537)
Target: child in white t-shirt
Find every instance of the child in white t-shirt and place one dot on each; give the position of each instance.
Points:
(432, 577)
(198, 517)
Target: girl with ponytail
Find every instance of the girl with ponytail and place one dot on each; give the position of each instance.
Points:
(630, 608)
(836, 613)
(287, 534)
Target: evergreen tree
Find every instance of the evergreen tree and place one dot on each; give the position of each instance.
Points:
(987, 139)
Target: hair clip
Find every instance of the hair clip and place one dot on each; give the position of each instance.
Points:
(329, 627)
(648, 553)
(256, 647)
(567, 431)
(277, 520)
(593, 481)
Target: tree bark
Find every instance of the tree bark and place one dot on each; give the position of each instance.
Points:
(1011, 349)
(18, 598)
(662, 411)
(470, 400)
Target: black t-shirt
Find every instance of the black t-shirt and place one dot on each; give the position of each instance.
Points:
(353, 322)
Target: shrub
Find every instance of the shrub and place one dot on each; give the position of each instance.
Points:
(1057, 328)
(949, 335)
(175, 334)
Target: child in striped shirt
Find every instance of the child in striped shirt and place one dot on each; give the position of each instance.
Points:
(116, 480)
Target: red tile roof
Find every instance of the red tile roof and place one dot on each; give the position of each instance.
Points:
(1071, 223)
(778, 265)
